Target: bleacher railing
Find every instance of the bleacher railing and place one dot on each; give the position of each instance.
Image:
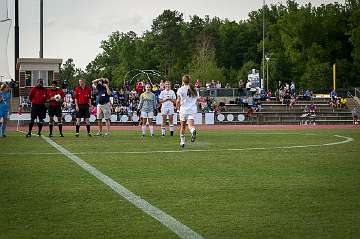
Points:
(221, 92)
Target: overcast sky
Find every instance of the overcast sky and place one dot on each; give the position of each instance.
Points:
(75, 28)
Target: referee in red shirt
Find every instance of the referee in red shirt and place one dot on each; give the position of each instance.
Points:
(38, 97)
(56, 97)
(82, 95)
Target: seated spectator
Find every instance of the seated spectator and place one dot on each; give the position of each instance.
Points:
(307, 95)
(333, 94)
(312, 112)
(286, 99)
(343, 103)
(332, 103)
(227, 86)
(292, 101)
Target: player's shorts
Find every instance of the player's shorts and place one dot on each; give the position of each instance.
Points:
(186, 117)
(38, 111)
(83, 112)
(103, 111)
(167, 111)
(147, 114)
(4, 114)
(55, 111)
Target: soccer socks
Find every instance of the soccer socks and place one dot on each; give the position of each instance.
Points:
(182, 139)
(40, 125)
(51, 126)
(3, 130)
(192, 130)
(163, 131)
(31, 125)
(60, 127)
(171, 129)
(88, 128)
(77, 128)
(143, 129)
(151, 130)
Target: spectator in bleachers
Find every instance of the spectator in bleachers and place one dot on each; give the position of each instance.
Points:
(292, 88)
(343, 103)
(307, 95)
(139, 88)
(218, 85)
(227, 86)
(292, 102)
(312, 111)
(333, 94)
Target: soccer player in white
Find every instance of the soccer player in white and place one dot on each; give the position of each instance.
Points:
(167, 100)
(187, 104)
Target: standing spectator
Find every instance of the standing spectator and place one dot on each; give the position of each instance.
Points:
(55, 97)
(82, 95)
(162, 85)
(333, 94)
(197, 85)
(307, 95)
(103, 108)
(38, 97)
(208, 85)
(5, 98)
(355, 115)
(292, 88)
(139, 87)
(248, 87)
(218, 85)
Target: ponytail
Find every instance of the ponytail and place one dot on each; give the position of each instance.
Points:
(192, 91)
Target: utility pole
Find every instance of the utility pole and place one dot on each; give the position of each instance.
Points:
(263, 45)
(16, 39)
(41, 29)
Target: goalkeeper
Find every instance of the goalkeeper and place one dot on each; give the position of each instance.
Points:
(55, 98)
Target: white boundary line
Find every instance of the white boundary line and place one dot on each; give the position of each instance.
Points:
(177, 227)
(346, 140)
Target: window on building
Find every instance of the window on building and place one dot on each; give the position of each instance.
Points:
(28, 77)
(32, 76)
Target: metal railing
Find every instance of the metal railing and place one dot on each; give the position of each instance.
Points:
(222, 92)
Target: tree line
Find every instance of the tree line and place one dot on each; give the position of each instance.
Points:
(302, 41)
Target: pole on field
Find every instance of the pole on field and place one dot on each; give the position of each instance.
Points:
(334, 76)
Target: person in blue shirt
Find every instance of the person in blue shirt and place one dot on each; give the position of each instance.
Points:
(5, 98)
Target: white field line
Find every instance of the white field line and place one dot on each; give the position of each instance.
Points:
(346, 140)
(174, 225)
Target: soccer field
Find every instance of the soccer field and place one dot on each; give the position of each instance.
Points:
(228, 184)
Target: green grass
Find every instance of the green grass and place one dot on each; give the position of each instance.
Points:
(272, 193)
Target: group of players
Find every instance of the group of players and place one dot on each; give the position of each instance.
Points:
(185, 102)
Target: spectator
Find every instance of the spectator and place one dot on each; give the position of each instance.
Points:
(292, 101)
(139, 87)
(333, 94)
(343, 103)
(218, 85)
(355, 114)
(307, 95)
(162, 85)
(248, 88)
(227, 86)
(312, 112)
(292, 88)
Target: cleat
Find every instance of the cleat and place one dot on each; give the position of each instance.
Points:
(61, 135)
(107, 134)
(39, 134)
(152, 135)
(163, 135)
(182, 146)
(28, 135)
(98, 134)
(143, 136)
(89, 135)
(193, 136)
(77, 135)
(171, 133)
(50, 135)
(4, 136)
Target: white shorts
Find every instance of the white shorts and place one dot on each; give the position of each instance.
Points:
(147, 114)
(167, 111)
(186, 117)
(103, 111)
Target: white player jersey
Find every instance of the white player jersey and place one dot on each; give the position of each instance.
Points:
(167, 94)
(188, 104)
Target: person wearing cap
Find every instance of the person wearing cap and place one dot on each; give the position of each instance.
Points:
(5, 98)
(55, 97)
(38, 96)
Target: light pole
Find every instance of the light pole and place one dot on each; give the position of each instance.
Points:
(267, 72)
(263, 45)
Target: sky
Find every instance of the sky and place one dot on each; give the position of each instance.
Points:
(75, 28)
